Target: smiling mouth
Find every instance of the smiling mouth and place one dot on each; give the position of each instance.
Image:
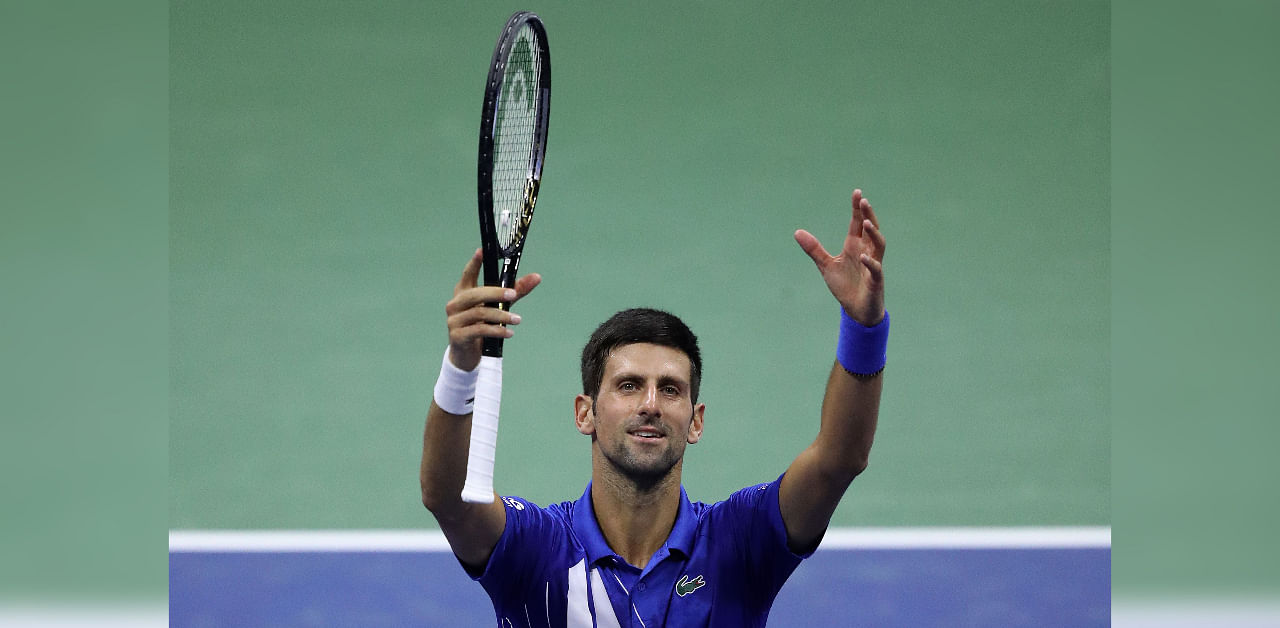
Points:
(646, 433)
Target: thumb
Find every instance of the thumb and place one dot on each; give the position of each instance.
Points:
(812, 247)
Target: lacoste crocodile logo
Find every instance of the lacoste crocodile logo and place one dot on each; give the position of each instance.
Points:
(686, 586)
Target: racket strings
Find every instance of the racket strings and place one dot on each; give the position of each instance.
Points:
(514, 139)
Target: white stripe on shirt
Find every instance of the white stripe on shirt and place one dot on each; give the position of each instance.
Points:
(605, 618)
(578, 614)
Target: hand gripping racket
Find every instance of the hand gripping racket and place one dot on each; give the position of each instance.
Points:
(513, 140)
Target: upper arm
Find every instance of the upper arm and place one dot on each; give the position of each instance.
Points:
(807, 498)
(533, 540)
(752, 518)
(473, 530)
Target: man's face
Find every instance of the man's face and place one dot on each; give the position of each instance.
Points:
(643, 416)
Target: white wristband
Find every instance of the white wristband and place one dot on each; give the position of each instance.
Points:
(456, 388)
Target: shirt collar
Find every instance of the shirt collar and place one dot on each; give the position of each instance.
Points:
(588, 531)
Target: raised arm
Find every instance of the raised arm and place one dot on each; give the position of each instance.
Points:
(472, 529)
(817, 479)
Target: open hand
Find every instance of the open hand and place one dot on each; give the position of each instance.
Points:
(855, 275)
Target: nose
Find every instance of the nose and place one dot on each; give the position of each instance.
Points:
(649, 402)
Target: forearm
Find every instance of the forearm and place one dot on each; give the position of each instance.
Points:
(445, 443)
(472, 529)
(850, 409)
(818, 478)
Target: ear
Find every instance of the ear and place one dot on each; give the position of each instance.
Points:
(584, 417)
(695, 424)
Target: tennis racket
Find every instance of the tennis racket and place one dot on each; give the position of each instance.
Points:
(513, 140)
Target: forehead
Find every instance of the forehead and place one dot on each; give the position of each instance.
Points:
(643, 358)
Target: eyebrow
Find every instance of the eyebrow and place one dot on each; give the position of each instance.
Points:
(662, 379)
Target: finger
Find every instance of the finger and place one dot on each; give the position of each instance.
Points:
(473, 332)
(470, 273)
(471, 297)
(877, 238)
(876, 268)
(870, 213)
(526, 284)
(482, 316)
(855, 223)
(812, 247)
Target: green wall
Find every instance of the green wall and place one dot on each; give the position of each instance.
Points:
(322, 186)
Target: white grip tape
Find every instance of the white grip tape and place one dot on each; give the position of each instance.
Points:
(484, 433)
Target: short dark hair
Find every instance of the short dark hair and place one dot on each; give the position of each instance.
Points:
(633, 326)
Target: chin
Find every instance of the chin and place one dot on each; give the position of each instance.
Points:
(644, 470)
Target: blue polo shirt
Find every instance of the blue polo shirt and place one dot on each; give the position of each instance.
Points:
(722, 565)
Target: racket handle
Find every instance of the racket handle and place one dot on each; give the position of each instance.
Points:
(484, 433)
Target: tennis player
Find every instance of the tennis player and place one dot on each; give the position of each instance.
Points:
(633, 550)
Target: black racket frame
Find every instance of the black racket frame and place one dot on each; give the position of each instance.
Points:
(501, 264)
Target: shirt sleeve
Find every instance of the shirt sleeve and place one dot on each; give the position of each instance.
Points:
(532, 537)
(758, 518)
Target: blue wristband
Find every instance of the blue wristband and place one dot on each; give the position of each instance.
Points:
(861, 349)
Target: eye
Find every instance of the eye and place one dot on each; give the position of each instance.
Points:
(671, 390)
(627, 386)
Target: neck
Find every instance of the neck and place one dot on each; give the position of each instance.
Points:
(636, 517)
